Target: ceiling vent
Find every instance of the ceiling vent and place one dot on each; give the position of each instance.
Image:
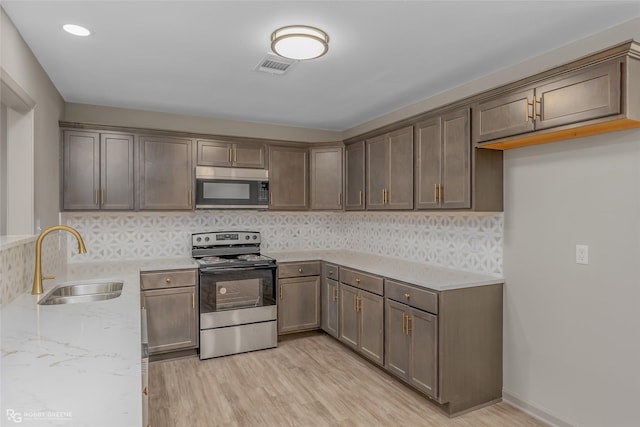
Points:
(274, 64)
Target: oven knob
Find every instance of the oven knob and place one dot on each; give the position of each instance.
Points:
(255, 237)
(247, 237)
(199, 239)
(206, 239)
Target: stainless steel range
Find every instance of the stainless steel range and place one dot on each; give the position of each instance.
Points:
(238, 311)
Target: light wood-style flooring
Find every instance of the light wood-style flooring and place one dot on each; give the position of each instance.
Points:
(309, 381)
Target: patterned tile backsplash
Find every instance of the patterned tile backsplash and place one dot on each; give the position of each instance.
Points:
(466, 241)
(17, 264)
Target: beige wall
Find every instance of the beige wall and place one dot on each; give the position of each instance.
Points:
(85, 113)
(21, 65)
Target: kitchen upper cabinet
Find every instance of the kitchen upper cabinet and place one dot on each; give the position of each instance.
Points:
(389, 171)
(581, 95)
(166, 173)
(98, 171)
(298, 297)
(355, 176)
(288, 178)
(326, 178)
(443, 162)
(230, 154)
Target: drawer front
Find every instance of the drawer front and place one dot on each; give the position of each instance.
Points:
(361, 280)
(168, 279)
(415, 297)
(330, 271)
(299, 269)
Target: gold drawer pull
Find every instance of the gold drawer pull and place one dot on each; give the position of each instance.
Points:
(360, 204)
(407, 296)
(335, 294)
(145, 391)
(168, 280)
(357, 280)
(299, 270)
(409, 328)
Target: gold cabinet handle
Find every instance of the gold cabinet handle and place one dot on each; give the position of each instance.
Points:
(235, 155)
(355, 303)
(360, 198)
(193, 300)
(357, 280)
(383, 196)
(299, 270)
(145, 391)
(340, 198)
(407, 296)
(440, 197)
(335, 294)
(532, 105)
(281, 294)
(97, 197)
(404, 329)
(359, 304)
(409, 329)
(168, 280)
(189, 198)
(102, 197)
(435, 192)
(230, 155)
(537, 112)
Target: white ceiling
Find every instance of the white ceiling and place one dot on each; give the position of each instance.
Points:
(198, 57)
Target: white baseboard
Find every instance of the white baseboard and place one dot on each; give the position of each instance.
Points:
(534, 411)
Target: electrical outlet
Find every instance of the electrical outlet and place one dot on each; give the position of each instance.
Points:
(582, 254)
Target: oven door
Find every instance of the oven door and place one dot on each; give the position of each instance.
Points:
(234, 296)
(216, 193)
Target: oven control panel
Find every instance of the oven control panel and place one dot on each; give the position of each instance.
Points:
(225, 238)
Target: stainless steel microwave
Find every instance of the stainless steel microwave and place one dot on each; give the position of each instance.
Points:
(231, 188)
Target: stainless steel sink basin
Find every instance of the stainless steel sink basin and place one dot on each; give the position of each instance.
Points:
(83, 292)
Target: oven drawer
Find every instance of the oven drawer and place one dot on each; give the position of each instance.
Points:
(161, 279)
(361, 280)
(415, 297)
(330, 271)
(299, 269)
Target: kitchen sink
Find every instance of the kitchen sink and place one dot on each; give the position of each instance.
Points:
(83, 292)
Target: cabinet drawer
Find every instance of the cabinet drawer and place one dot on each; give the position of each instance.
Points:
(330, 271)
(410, 295)
(168, 279)
(362, 280)
(299, 269)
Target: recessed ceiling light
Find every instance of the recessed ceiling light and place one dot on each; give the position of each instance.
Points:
(299, 42)
(76, 30)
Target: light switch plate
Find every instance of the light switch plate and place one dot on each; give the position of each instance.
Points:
(582, 254)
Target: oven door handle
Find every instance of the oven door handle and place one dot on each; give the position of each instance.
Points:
(226, 270)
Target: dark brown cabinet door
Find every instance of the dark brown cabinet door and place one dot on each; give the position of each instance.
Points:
(507, 115)
(455, 191)
(428, 162)
(116, 172)
(166, 176)
(171, 318)
(288, 178)
(371, 313)
(299, 304)
(330, 307)
(326, 178)
(81, 175)
(349, 323)
(398, 341)
(581, 95)
(355, 177)
(377, 170)
(423, 332)
(400, 175)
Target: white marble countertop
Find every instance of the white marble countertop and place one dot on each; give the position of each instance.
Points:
(76, 364)
(420, 274)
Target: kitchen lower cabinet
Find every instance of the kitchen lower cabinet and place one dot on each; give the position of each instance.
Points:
(362, 322)
(330, 303)
(169, 296)
(298, 297)
(288, 178)
(166, 173)
(412, 346)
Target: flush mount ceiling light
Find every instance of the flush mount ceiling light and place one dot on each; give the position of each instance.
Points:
(299, 42)
(76, 30)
